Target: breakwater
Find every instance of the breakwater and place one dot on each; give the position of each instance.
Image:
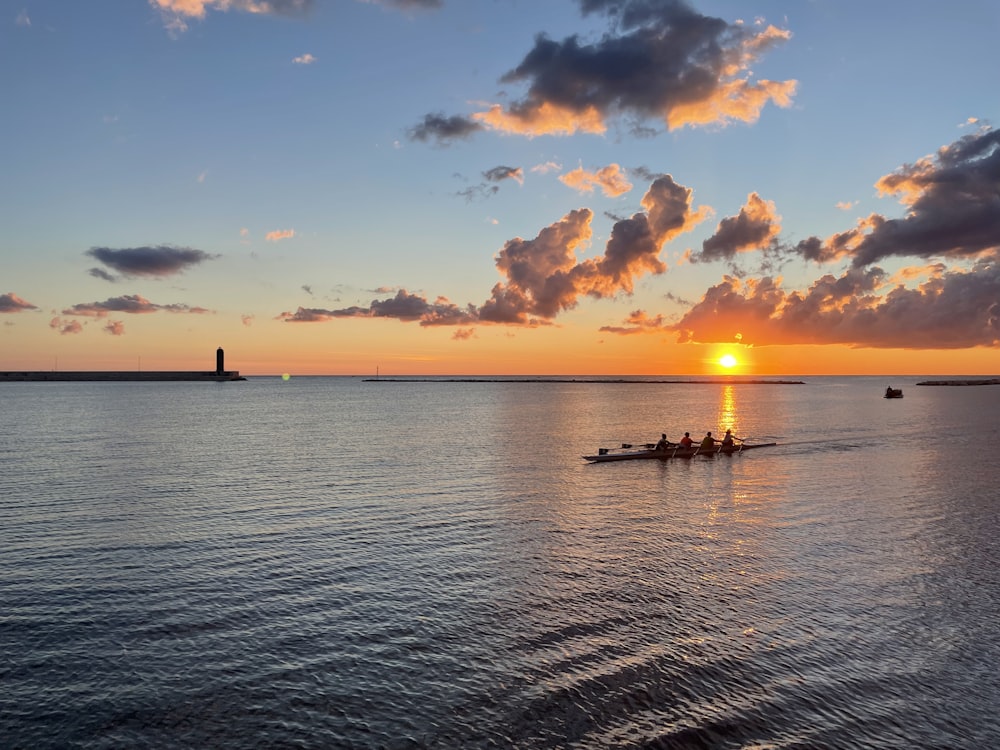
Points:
(980, 381)
(118, 376)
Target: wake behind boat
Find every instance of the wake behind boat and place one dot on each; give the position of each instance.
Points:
(625, 453)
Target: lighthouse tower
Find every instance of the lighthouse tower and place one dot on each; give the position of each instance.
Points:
(220, 361)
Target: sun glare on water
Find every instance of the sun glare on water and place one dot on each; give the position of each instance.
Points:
(728, 361)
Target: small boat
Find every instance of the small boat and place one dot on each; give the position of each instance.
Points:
(893, 393)
(649, 451)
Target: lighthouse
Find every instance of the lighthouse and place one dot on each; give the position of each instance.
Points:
(220, 361)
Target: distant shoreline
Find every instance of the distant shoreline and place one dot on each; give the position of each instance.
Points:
(615, 381)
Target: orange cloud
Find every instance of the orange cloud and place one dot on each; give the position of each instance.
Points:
(733, 100)
(280, 234)
(951, 310)
(610, 179)
(544, 119)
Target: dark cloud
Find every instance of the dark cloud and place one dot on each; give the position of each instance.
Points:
(404, 306)
(115, 328)
(11, 303)
(662, 60)
(953, 201)
(754, 228)
(442, 128)
(159, 260)
(129, 303)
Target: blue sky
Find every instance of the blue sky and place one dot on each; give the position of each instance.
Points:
(269, 174)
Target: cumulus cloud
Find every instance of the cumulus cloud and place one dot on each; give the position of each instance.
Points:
(129, 303)
(279, 234)
(155, 261)
(544, 277)
(755, 227)
(955, 309)
(661, 60)
(953, 209)
(306, 59)
(610, 179)
(11, 303)
(115, 328)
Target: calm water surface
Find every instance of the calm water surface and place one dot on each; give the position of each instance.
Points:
(333, 563)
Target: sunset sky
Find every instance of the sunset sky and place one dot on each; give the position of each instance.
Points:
(580, 187)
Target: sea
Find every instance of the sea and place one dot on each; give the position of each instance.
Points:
(346, 562)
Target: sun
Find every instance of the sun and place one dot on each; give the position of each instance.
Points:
(728, 361)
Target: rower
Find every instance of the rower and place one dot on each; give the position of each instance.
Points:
(686, 441)
(728, 438)
(708, 442)
(663, 444)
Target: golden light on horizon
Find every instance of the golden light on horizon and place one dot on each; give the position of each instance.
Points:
(728, 361)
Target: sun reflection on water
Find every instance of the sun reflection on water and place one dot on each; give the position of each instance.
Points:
(727, 419)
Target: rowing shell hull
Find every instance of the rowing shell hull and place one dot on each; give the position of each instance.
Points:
(671, 453)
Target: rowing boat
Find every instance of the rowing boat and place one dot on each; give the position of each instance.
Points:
(622, 454)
